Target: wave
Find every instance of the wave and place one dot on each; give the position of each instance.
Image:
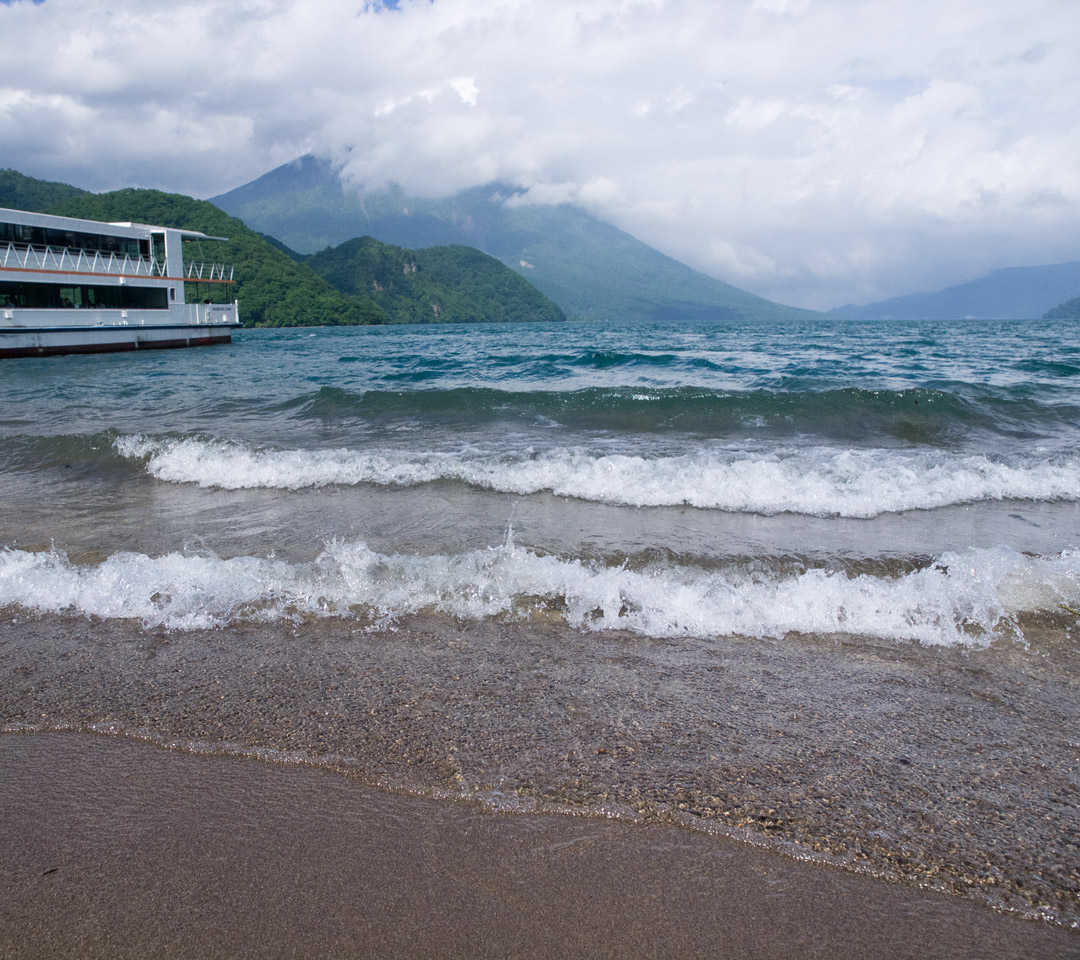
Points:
(814, 481)
(965, 599)
(920, 415)
(94, 453)
(1048, 368)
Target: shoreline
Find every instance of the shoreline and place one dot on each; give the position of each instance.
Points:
(927, 766)
(114, 847)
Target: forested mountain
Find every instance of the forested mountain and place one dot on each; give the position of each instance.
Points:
(19, 192)
(589, 268)
(450, 284)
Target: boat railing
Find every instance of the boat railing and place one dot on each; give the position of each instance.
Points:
(65, 260)
(219, 272)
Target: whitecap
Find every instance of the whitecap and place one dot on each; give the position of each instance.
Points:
(963, 598)
(816, 481)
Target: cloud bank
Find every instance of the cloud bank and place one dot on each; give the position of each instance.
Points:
(813, 151)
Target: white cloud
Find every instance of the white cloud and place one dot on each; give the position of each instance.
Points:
(816, 152)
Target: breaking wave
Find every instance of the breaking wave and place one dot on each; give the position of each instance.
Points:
(816, 481)
(966, 598)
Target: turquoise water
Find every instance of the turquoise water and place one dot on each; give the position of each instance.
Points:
(828, 492)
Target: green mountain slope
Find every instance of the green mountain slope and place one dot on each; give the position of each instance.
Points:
(19, 192)
(448, 284)
(273, 289)
(587, 267)
(1014, 293)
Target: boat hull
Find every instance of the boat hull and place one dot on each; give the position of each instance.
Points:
(43, 342)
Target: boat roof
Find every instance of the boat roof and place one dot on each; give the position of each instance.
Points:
(186, 234)
(117, 228)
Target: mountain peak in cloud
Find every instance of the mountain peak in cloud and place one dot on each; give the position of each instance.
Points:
(590, 268)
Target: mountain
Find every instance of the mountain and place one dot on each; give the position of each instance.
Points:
(20, 192)
(1069, 310)
(589, 268)
(1013, 293)
(447, 284)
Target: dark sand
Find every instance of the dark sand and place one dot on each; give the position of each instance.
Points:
(114, 848)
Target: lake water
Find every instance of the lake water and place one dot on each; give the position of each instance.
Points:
(814, 587)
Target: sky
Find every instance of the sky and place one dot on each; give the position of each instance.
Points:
(816, 152)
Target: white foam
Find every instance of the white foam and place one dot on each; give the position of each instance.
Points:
(965, 598)
(817, 481)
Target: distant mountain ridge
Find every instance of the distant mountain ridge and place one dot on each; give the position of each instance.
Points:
(1011, 293)
(589, 268)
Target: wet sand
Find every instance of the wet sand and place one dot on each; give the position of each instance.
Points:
(114, 848)
(947, 769)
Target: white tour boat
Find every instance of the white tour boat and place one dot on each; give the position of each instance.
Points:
(80, 286)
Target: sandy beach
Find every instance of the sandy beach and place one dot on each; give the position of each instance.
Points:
(114, 848)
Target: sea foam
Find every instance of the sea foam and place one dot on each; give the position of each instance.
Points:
(817, 481)
(966, 598)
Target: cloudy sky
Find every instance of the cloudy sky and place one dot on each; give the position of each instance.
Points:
(816, 152)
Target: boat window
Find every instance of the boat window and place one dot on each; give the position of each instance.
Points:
(71, 297)
(55, 296)
(25, 235)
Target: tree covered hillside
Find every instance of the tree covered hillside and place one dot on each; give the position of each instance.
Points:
(451, 284)
(19, 192)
